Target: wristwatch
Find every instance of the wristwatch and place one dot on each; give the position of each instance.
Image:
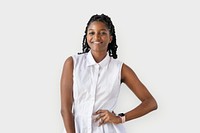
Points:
(122, 116)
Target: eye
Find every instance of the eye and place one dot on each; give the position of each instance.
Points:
(91, 33)
(103, 33)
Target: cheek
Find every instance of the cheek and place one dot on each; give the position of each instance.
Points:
(88, 38)
(106, 39)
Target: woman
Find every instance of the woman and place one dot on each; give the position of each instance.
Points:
(90, 84)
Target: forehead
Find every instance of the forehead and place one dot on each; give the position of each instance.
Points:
(97, 25)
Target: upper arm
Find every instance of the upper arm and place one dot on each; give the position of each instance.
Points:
(132, 81)
(66, 85)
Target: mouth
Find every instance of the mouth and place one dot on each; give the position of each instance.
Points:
(97, 43)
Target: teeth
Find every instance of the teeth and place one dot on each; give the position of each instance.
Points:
(97, 42)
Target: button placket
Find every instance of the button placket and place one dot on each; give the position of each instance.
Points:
(95, 80)
(95, 75)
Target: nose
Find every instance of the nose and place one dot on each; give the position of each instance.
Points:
(96, 37)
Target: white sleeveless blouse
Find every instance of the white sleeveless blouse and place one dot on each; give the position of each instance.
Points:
(95, 86)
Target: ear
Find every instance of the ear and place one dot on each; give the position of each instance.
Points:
(111, 38)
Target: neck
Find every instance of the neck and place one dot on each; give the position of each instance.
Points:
(98, 56)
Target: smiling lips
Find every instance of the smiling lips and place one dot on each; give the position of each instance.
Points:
(97, 42)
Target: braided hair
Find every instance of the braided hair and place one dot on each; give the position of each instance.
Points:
(112, 47)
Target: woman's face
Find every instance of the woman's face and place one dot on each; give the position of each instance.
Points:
(98, 36)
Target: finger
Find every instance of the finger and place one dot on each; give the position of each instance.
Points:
(103, 120)
(100, 111)
(100, 116)
(107, 120)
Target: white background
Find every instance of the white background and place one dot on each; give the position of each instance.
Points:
(158, 39)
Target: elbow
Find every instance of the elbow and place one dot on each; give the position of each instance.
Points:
(150, 104)
(64, 111)
(154, 104)
(66, 114)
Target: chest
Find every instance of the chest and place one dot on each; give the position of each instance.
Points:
(94, 81)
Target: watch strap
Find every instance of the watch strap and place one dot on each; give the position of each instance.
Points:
(122, 116)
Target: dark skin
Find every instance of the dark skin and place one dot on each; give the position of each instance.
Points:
(98, 38)
(66, 87)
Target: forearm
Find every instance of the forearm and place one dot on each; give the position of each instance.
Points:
(68, 120)
(145, 107)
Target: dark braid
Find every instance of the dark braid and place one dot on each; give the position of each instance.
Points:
(112, 47)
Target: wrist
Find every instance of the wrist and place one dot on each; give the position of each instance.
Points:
(119, 120)
(122, 117)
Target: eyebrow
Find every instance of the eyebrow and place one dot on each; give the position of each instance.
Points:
(100, 29)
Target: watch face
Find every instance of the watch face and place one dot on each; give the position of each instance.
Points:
(121, 114)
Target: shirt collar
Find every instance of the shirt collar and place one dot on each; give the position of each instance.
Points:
(91, 61)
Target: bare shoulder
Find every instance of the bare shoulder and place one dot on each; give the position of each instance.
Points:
(67, 72)
(68, 62)
(125, 67)
(127, 73)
